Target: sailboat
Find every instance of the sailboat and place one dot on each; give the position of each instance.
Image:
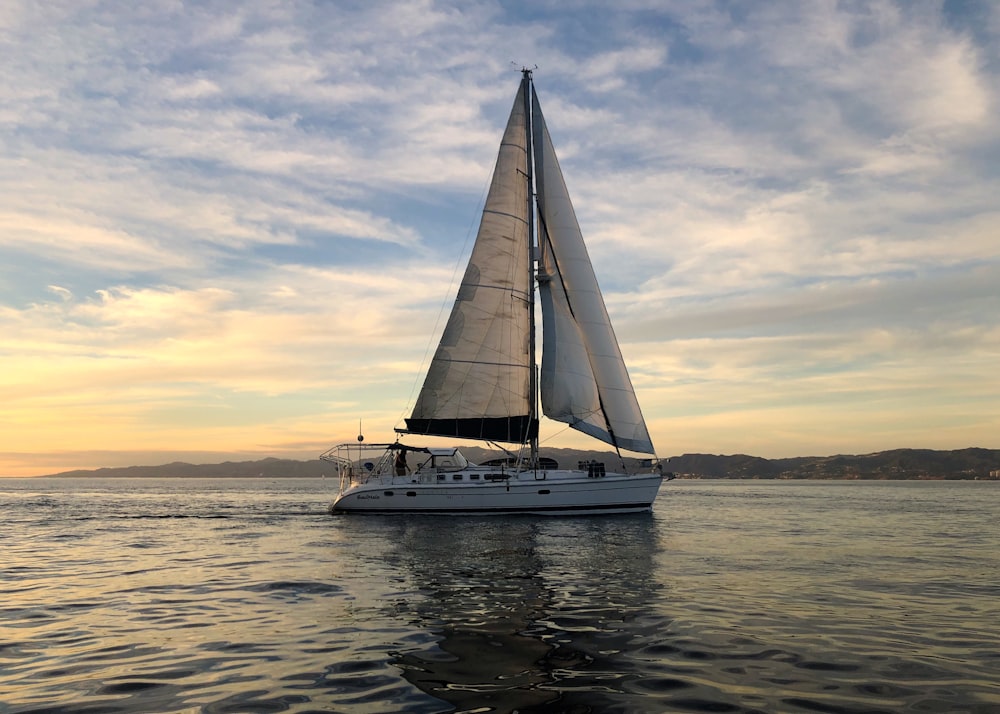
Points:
(483, 382)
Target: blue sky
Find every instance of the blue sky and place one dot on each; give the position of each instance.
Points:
(228, 229)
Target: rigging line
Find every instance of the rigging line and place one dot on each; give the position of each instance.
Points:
(556, 435)
(555, 262)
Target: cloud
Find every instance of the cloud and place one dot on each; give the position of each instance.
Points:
(210, 367)
(61, 292)
(223, 223)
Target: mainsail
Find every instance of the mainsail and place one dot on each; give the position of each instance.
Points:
(479, 382)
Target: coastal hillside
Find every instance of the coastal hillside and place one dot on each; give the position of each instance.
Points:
(896, 464)
(960, 464)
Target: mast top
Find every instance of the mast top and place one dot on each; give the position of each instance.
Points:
(526, 71)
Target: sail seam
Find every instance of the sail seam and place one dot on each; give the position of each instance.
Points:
(504, 213)
(512, 145)
(492, 364)
(512, 291)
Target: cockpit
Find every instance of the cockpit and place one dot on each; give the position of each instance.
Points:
(443, 459)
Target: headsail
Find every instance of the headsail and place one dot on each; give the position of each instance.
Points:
(584, 381)
(478, 383)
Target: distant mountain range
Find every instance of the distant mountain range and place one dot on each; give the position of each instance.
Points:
(897, 464)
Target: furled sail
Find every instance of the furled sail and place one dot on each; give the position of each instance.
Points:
(583, 377)
(478, 383)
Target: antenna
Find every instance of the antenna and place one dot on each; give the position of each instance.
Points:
(361, 437)
(524, 68)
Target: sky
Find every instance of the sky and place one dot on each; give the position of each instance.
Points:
(232, 230)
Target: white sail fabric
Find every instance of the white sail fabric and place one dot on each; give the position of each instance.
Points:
(583, 377)
(478, 382)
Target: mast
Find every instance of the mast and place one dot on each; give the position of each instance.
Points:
(532, 254)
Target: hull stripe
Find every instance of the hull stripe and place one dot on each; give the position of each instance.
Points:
(642, 505)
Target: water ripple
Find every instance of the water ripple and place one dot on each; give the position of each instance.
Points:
(732, 597)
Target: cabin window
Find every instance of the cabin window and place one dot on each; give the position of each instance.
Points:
(411, 493)
(544, 491)
(441, 477)
(456, 477)
(388, 493)
(473, 477)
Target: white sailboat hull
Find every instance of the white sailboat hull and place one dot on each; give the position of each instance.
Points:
(555, 493)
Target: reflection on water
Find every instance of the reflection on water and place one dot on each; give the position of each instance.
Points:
(245, 596)
(528, 613)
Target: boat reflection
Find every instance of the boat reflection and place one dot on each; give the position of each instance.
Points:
(528, 615)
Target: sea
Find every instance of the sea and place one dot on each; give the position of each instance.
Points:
(245, 595)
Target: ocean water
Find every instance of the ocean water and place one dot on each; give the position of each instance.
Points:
(179, 595)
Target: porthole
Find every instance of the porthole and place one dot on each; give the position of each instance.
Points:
(388, 493)
(411, 493)
(544, 491)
